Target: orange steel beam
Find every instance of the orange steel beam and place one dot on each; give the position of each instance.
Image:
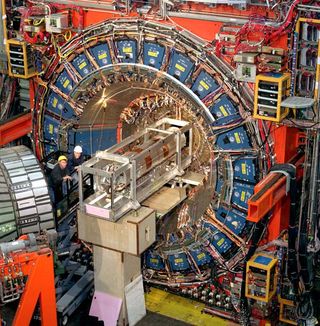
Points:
(15, 128)
(38, 266)
(269, 192)
(286, 142)
(40, 285)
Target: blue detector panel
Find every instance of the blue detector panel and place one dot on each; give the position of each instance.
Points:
(92, 140)
(231, 219)
(50, 149)
(51, 134)
(101, 54)
(219, 185)
(245, 169)
(221, 242)
(235, 139)
(154, 261)
(153, 54)
(223, 111)
(188, 235)
(64, 83)
(51, 129)
(178, 262)
(204, 85)
(200, 257)
(127, 51)
(173, 238)
(57, 105)
(209, 226)
(241, 193)
(82, 65)
(180, 66)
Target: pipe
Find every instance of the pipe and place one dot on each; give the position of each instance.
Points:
(85, 4)
(214, 18)
(18, 245)
(240, 21)
(308, 8)
(3, 33)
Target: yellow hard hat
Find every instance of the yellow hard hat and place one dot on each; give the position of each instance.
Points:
(62, 158)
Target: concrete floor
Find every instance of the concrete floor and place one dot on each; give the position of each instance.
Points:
(81, 318)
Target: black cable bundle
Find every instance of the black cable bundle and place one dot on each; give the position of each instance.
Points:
(258, 233)
(214, 274)
(304, 310)
(305, 271)
(293, 226)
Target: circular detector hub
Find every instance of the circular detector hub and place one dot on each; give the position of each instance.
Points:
(121, 76)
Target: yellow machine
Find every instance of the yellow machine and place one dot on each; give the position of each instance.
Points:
(20, 60)
(287, 311)
(261, 278)
(271, 89)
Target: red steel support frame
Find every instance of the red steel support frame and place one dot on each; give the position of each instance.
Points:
(270, 192)
(40, 286)
(15, 128)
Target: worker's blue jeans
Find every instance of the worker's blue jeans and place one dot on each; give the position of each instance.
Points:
(64, 188)
(53, 195)
(75, 177)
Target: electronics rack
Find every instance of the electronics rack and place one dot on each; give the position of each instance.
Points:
(271, 89)
(20, 60)
(306, 63)
(261, 277)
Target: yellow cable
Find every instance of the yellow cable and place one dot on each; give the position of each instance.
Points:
(68, 35)
(38, 22)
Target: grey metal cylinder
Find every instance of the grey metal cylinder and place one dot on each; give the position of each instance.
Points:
(6, 247)
(25, 205)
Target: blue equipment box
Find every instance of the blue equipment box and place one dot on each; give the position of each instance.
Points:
(178, 262)
(204, 85)
(153, 54)
(233, 221)
(235, 139)
(241, 193)
(60, 107)
(127, 50)
(223, 111)
(64, 83)
(82, 65)
(244, 169)
(101, 54)
(180, 66)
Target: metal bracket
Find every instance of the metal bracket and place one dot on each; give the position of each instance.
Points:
(287, 174)
(288, 177)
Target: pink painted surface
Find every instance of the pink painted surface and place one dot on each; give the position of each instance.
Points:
(97, 211)
(106, 307)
